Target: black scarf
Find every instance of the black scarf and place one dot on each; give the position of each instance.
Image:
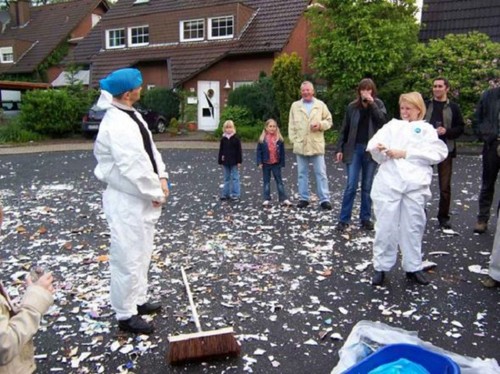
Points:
(146, 140)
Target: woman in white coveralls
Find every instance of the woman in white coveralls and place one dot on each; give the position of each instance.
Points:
(131, 166)
(405, 149)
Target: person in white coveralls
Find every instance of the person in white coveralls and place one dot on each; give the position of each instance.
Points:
(405, 149)
(131, 166)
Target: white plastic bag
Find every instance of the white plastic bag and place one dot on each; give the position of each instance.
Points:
(367, 336)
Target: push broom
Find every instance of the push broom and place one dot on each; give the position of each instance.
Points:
(201, 345)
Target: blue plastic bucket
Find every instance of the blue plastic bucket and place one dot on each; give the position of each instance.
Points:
(431, 361)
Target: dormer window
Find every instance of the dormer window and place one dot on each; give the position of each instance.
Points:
(138, 36)
(221, 27)
(192, 30)
(115, 38)
(6, 55)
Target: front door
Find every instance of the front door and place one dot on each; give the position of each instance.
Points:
(208, 105)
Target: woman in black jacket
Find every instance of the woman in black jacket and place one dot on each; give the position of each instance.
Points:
(364, 116)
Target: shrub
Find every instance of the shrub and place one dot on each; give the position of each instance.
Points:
(53, 112)
(162, 100)
(287, 77)
(14, 132)
(258, 98)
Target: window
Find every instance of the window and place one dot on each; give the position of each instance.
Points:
(192, 30)
(138, 36)
(115, 38)
(6, 55)
(221, 27)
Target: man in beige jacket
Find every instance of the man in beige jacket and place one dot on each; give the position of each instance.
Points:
(309, 119)
(18, 325)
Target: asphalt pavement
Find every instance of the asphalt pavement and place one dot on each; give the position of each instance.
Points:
(290, 285)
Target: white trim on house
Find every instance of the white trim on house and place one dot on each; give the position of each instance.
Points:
(109, 38)
(144, 35)
(182, 30)
(6, 55)
(226, 29)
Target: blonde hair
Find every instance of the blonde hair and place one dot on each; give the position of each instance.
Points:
(227, 124)
(263, 134)
(415, 99)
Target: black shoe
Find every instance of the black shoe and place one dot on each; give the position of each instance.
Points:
(136, 325)
(148, 308)
(302, 204)
(367, 225)
(378, 278)
(417, 277)
(325, 205)
(224, 198)
(342, 226)
(444, 225)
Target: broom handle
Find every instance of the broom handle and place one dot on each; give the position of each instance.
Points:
(191, 303)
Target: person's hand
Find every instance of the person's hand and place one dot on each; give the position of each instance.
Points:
(259, 166)
(367, 97)
(339, 157)
(164, 187)
(381, 148)
(396, 153)
(315, 126)
(441, 130)
(44, 281)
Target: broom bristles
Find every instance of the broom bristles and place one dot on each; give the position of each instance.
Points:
(203, 345)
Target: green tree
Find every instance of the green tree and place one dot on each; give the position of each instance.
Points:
(287, 77)
(354, 39)
(469, 61)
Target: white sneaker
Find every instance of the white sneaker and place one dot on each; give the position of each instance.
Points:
(266, 203)
(286, 203)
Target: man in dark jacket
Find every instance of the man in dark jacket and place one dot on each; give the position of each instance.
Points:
(446, 117)
(487, 128)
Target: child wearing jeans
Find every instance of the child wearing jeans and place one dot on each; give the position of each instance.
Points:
(230, 157)
(271, 158)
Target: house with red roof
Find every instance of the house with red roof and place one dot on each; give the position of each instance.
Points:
(208, 47)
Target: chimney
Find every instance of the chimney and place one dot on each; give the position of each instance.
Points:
(19, 12)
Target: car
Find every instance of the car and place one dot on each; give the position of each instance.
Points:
(91, 121)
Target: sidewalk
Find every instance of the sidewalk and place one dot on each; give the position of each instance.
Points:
(191, 140)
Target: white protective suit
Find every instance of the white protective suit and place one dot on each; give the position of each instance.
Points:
(132, 186)
(401, 189)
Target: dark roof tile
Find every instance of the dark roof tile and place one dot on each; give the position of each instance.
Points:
(267, 32)
(442, 17)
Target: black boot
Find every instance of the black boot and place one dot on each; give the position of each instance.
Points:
(417, 277)
(136, 325)
(148, 308)
(378, 278)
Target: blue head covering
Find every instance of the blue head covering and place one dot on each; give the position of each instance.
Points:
(121, 81)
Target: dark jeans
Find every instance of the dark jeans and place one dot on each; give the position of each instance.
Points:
(275, 169)
(444, 174)
(362, 163)
(491, 165)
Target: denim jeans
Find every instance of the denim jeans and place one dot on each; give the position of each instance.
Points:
(231, 182)
(319, 167)
(275, 169)
(361, 162)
